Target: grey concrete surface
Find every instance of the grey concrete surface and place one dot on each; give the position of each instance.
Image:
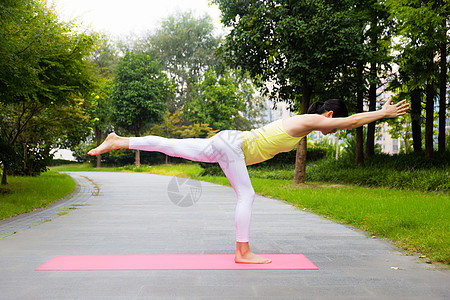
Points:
(133, 214)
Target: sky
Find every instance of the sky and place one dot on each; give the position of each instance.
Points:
(125, 17)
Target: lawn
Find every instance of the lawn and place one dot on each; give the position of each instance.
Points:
(25, 194)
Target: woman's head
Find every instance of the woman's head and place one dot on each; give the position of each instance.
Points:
(337, 106)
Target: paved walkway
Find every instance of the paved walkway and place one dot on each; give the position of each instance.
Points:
(135, 214)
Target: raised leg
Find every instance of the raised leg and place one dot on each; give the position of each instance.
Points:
(193, 149)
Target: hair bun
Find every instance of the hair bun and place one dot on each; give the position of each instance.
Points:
(315, 108)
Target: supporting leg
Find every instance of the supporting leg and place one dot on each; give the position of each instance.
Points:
(232, 161)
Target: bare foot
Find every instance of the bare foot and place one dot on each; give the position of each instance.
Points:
(111, 142)
(251, 258)
(245, 256)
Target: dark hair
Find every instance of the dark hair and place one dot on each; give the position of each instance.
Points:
(336, 105)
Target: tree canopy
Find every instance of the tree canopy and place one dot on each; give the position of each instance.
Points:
(140, 93)
(43, 68)
(185, 46)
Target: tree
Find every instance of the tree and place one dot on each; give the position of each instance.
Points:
(184, 46)
(423, 31)
(220, 102)
(443, 79)
(106, 60)
(54, 127)
(408, 83)
(378, 39)
(293, 44)
(42, 64)
(176, 127)
(140, 94)
(363, 75)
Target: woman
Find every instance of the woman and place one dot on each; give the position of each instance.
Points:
(234, 150)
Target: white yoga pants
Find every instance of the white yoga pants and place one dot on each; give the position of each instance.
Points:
(224, 148)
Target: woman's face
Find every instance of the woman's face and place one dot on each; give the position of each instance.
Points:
(328, 114)
(325, 132)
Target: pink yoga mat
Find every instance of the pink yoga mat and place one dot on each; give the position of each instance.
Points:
(172, 262)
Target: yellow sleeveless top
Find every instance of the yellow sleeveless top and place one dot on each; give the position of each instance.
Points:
(263, 143)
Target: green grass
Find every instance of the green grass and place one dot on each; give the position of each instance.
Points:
(181, 170)
(81, 167)
(25, 194)
(416, 221)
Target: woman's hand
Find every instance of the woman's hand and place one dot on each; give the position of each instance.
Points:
(392, 111)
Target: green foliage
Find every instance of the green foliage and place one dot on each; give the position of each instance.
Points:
(43, 75)
(54, 126)
(60, 162)
(184, 45)
(41, 58)
(140, 94)
(175, 126)
(410, 171)
(216, 101)
(98, 102)
(293, 43)
(422, 33)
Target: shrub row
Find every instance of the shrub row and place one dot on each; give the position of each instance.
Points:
(409, 171)
(431, 179)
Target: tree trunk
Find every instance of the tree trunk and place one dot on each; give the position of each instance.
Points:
(137, 160)
(98, 134)
(337, 146)
(4, 181)
(300, 162)
(442, 97)
(370, 140)
(300, 158)
(359, 148)
(416, 120)
(25, 159)
(405, 140)
(429, 114)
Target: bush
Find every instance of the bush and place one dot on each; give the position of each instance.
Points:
(60, 162)
(408, 171)
(31, 160)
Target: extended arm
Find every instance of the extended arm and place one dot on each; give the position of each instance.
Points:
(360, 119)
